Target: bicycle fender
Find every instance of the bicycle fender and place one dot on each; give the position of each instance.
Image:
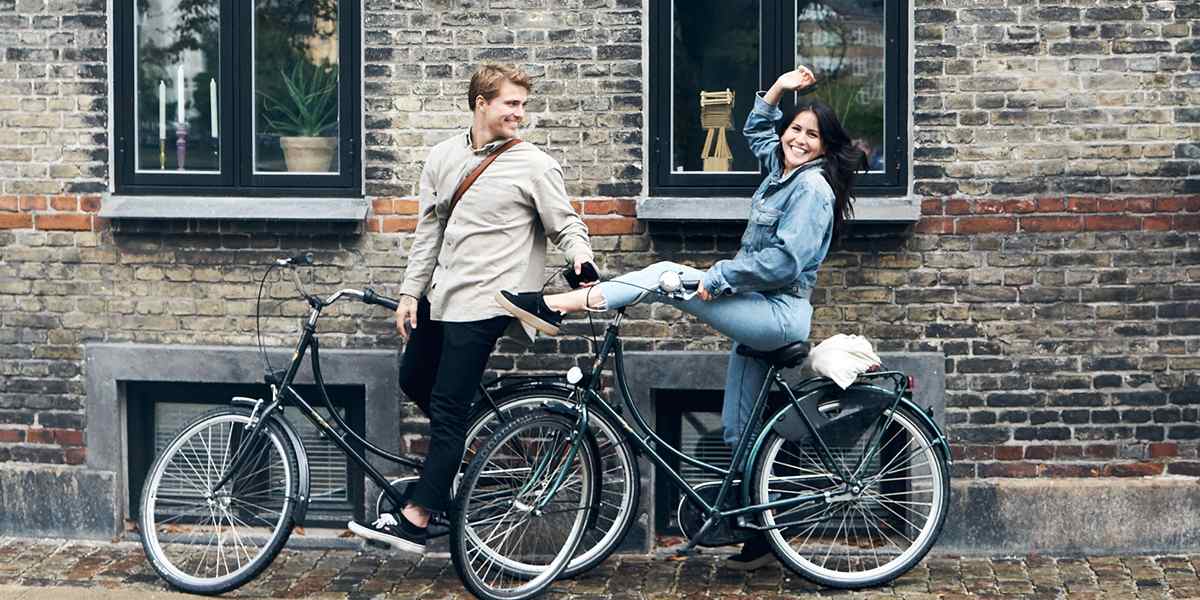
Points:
(301, 461)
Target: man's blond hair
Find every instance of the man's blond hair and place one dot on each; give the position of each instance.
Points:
(487, 79)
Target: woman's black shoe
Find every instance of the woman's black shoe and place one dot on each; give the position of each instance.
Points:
(394, 530)
(531, 309)
(755, 554)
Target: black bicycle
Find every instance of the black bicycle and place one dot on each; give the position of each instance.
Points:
(221, 500)
(849, 487)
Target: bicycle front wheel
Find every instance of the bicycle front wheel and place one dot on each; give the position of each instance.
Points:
(864, 530)
(618, 486)
(522, 507)
(209, 541)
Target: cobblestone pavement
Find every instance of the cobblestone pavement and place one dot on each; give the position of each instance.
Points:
(79, 570)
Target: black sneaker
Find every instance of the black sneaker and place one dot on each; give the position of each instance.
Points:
(755, 554)
(531, 309)
(394, 530)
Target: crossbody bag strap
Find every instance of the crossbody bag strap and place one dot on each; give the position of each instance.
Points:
(477, 171)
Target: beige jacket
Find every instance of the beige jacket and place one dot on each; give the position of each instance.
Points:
(496, 238)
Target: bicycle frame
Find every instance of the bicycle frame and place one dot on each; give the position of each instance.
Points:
(647, 441)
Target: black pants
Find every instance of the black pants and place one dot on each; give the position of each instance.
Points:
(442, 366)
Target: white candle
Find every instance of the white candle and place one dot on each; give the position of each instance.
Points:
(162, 110)
(212, 102)
(179, 108)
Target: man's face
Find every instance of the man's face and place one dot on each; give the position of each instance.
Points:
(503, 115)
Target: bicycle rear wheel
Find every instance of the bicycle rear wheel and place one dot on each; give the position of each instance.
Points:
(209, 541)
(868, 530)
(619, 487)
(522, 507)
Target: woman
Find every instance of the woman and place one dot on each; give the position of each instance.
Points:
(760, 297)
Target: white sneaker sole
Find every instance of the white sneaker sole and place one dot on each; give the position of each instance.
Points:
(400, 544)
(525, 316)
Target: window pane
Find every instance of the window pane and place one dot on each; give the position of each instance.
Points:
(296, 86)
(842, 41)
(177, 60)
(715, 48)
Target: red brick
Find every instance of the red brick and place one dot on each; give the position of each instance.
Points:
(577, 206)
(38, 435)
(1070, 470)
(374, 225)
(381, 206)
(1113, 205)
(985, 225)
(406, 207)
(33, 203)
(1139, 205)
(397, 224)
(1133, 470)
(931, 206)
(1100, 451)
(9, 203)
(1050, 205)
(1020, 206)
(612, 225)
(990, 207)
(1021, 469)
(65, 203)
(934, 225)
(608, 207)
(67, 437)
(1185, 223)
(1110, 223)
(1156, 223)
(1068, 452)
(1009, 452)
(977, 453)
(958, 207)
(12, 436)
(1039, 452)
(89, 204)
(75, 456)
(1039, 224)
(63, 222)
(1177, 203)
(16, 220)
(1164, 450)
(1083, 204)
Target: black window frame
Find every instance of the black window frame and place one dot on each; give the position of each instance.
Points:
(777, 55)
(237, 177)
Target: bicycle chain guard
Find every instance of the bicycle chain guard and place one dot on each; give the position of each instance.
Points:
(724, 532)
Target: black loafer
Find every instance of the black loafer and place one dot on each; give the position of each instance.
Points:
(755, 554)
(531, 309)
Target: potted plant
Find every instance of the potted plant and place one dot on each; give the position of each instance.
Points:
(303, 112)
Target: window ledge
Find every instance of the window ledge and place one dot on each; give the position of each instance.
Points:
(234, 208)
(904, 209)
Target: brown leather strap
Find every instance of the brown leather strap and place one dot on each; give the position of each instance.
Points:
(477, 171)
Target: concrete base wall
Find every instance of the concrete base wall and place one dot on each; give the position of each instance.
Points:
(1073, 516)
(55, 501)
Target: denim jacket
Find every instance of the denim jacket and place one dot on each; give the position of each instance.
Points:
(791, 221)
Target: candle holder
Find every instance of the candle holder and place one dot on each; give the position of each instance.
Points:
(181, 132)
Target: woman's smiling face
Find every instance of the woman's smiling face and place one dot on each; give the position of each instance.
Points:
(801, 140)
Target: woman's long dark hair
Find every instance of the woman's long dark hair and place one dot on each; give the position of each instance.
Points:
(843, 159)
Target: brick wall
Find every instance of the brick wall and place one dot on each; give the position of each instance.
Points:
(1055, 263)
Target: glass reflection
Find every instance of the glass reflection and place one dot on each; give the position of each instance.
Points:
(843, 42)
(177, 61)
(296, 86)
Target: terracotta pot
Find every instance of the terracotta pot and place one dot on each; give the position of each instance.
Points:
(308, 154)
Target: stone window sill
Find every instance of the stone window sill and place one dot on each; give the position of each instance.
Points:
(906, 209)
(227, 208)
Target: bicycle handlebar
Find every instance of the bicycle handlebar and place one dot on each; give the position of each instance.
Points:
(370, 297)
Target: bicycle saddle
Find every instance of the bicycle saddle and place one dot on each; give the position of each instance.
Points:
(786, 357)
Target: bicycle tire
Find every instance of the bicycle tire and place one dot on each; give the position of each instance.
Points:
(621, 477)
(169, 540)
(503, 491)
(869, 507)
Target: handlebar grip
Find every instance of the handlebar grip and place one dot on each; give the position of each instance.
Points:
(370, 297)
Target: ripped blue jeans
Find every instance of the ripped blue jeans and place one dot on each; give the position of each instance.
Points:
(763, 321)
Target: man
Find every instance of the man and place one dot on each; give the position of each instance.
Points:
(495, 238)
